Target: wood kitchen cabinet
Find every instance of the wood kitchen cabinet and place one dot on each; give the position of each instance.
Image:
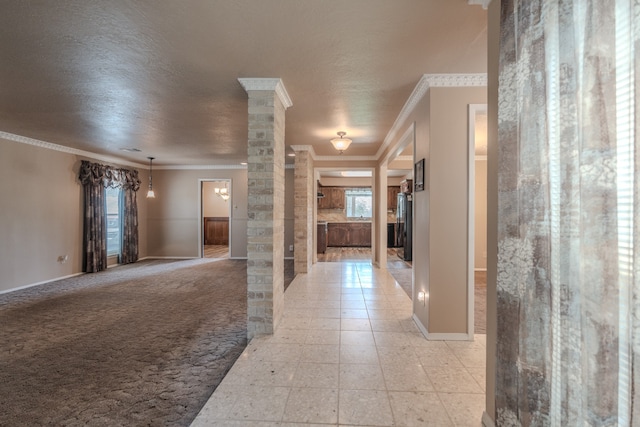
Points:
(324, 202)
(392, 198)
(360, 234)
(333, 198)
(406, 186)
(337, 198)
(322, 238)
(347, 234)
(338, 234)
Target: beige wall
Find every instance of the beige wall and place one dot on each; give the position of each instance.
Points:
(448, 175)
(480, 226)
(41, 215)
(440, 235)
(173, 218)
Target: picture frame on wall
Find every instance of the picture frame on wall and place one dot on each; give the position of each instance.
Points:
(418, 174)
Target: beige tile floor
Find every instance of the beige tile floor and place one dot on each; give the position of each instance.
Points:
(348, 353)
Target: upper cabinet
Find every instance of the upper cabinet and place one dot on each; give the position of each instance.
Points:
(333, 198)
(392, 198)
(406, 186)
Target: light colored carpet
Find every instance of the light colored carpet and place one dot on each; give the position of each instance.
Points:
(142, 344)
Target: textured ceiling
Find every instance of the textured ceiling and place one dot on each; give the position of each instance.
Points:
(161, 76)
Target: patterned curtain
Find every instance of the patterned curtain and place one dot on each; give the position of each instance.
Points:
(568, 333)
(95, 178)
(130, 221)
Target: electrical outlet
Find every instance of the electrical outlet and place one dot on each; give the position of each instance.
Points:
(290, 248)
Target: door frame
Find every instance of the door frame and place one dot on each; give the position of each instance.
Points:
(201, 182)
(474, 110)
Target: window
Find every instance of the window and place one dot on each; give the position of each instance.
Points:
(359, 203)
(114, 219)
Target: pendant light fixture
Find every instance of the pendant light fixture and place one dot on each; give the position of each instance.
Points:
(222, 192)
(151, 194)
(341, 143)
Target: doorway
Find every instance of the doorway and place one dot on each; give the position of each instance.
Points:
(215, 213)
(477, 244)
(344, 215)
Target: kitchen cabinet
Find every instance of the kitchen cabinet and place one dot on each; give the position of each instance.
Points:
(392, 198)
(333, 198)
(324, 202)
(338, 234)
(360, 234)
(337, 198)
(349, 234)
(406, 186)
(322, 237)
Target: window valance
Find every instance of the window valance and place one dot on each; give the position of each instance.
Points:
(108, 176)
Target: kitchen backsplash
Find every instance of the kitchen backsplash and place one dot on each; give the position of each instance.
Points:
(332, 215)
(340, 215)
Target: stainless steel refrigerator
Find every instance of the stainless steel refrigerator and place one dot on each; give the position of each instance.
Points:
(404, 223)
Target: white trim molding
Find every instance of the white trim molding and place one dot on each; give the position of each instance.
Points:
(438, 336)
(273, 84)
(346, 158)
(200, 167)
(61, 148)
(44, 282)
(483, 3)
(427, 81)
(404, 158)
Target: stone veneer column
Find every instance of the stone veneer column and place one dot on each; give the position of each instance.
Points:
(304, 198)
(268, 100)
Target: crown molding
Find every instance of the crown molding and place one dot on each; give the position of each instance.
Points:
(425, 82)
(455, 80)
(208, 167)
(404, 158)
(343, 158)
(109, 159)
(483, 3)
(61, 148)
(270, 84)
(200, 167)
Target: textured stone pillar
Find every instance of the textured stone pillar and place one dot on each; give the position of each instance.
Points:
(268, 101)
(568, 265)
(304, 198)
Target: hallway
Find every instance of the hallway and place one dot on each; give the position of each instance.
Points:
(348, 353)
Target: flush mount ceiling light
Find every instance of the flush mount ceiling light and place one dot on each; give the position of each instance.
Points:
(151, 194)
(341, 143)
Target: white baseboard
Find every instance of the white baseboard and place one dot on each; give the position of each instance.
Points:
(40, 283)
(438, 336)
(449, 337)
(420, 326)
(487, 421)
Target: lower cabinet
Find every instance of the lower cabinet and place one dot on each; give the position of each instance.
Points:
(322, 238)
(345, 234)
